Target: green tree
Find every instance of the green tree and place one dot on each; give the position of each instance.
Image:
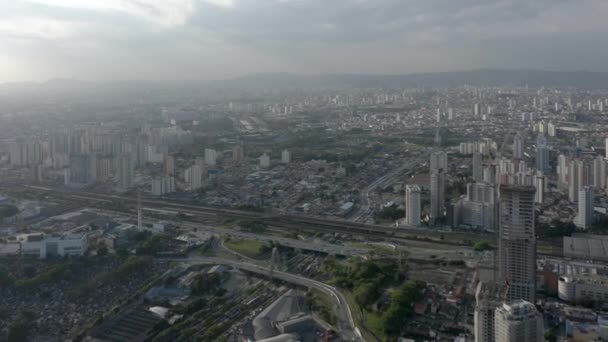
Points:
(8, 211)
(391, 213)
(482, 246)
(401, 306)
(6, 279)
(366, 294)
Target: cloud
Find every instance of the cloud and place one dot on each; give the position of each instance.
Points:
(166, 13)
(222, 38)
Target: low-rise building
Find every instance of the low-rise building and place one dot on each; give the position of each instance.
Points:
(43, 245)
(577, 288)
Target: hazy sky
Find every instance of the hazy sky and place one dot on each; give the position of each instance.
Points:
(211, 39)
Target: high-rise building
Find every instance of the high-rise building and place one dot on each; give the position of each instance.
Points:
(34, 153)
(412, 205)
(542, 154)
(169, 165)
(584, 219)
(141, 151)
(518, 146)
(599, 172)
(194, 177)
(437, 194)
(125, 171)
(265, 161)
(238, 153)
(163, 185)
(573, 180)
(476, 110)
(487, 299)
(477, 167)
(82, 170)
(489, 174)
(285, 157)
(518, 321)
(18, 153)
(439, 160)
(562, 172)
(517, 242)
(479, 207)
(540, 185)
(104, 168)
(210, 157)
(551, 129)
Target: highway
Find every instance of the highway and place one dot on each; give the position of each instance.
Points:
(285, 221)
(345, 322)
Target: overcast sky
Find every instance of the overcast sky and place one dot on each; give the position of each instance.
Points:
(215, 39)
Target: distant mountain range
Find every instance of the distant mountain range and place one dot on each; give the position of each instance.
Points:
(533, 78)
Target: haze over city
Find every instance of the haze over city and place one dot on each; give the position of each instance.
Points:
(303, 171)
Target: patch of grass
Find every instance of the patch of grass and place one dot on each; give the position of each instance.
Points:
(375, 324)
(249, 248)
(321, 304)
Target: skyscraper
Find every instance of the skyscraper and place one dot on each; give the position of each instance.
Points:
(125, 172)
(18, 153)
(238, 154)
(599, 172)
(487, 299)
(194, 177)
(169, 165)
(437, 194)
(439, 160)
(542, 154)
(285, 157)
(480, 206)
(539, 184)
(412, 205)
(584, 219)
(573, 180)
(82, 170)
(477, 167)
(517, 242)
(210, 157)
(489, 174)
(562, 172)
(518, 146)
(518, 321)
(265, 161)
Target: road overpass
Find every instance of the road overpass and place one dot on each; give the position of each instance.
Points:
(345, 322)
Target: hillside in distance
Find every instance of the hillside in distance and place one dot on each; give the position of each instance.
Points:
(499, 77)
(171, 89)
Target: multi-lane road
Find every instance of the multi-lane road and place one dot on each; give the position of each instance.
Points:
(287, 222)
